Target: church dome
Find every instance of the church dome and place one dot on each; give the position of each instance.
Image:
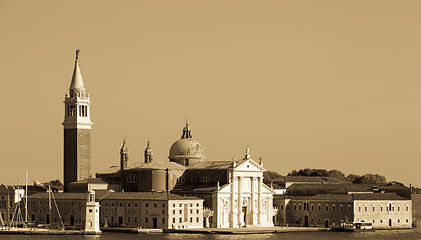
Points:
(186, 148)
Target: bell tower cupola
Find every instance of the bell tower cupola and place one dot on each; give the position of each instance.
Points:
(77, 130)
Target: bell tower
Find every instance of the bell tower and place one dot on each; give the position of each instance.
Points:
(77, 130)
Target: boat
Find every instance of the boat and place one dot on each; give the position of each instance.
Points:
(354, 227)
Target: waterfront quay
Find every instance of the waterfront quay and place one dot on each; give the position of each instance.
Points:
(226, 231)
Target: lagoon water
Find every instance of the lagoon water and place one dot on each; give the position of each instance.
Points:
(410, 234)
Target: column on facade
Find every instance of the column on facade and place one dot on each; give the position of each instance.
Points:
(240, 198)
(269, 208)
(253, 199)
(232, 213)
(259, 196)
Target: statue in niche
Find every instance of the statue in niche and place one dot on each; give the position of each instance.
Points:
(245, 201)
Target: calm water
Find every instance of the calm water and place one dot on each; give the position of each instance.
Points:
(412, 234)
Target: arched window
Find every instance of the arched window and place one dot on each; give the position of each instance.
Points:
(132, 178)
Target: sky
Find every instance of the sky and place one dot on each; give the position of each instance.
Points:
(305, 84)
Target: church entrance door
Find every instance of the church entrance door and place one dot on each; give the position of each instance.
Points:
(305, 221)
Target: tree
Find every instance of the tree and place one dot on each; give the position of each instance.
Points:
(371, 178)
(336, 173)
(317, 173)
(353, 177)
(56, 182)
(270, 176)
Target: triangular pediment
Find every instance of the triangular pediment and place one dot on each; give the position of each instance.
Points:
(248, 165)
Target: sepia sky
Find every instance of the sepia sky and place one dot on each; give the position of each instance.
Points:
(316, 84)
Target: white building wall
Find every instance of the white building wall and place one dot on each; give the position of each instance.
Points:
(384, 214)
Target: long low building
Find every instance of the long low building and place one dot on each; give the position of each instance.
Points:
(119, 209)
(383, 210)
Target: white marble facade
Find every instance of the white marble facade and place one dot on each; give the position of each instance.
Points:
(245, 200)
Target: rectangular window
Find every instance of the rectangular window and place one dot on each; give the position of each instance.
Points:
(333, 208)
(180, 220)
(180, 211)
(173, 220)
(327, 208)
(365, 208)
(147, 205)
(128, 204)
(197, 219)
(191, 211)
(197, 211)
(128, 219)
(163, 205)
(135, 219)
(135, 204)
(173, 211)
(163, 211)
(163, 220)
(173, 205)
(197, 204)
(146, 220)
(374, 208)
(180, 205)
(191, 219)
(154, 205)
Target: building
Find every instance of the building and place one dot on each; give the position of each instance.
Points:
(328, 205)
(149, 175)
(77, 130)
(118, 209)
(233, 191)
(11, 206)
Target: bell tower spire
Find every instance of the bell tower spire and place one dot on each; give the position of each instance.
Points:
(77, 130)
